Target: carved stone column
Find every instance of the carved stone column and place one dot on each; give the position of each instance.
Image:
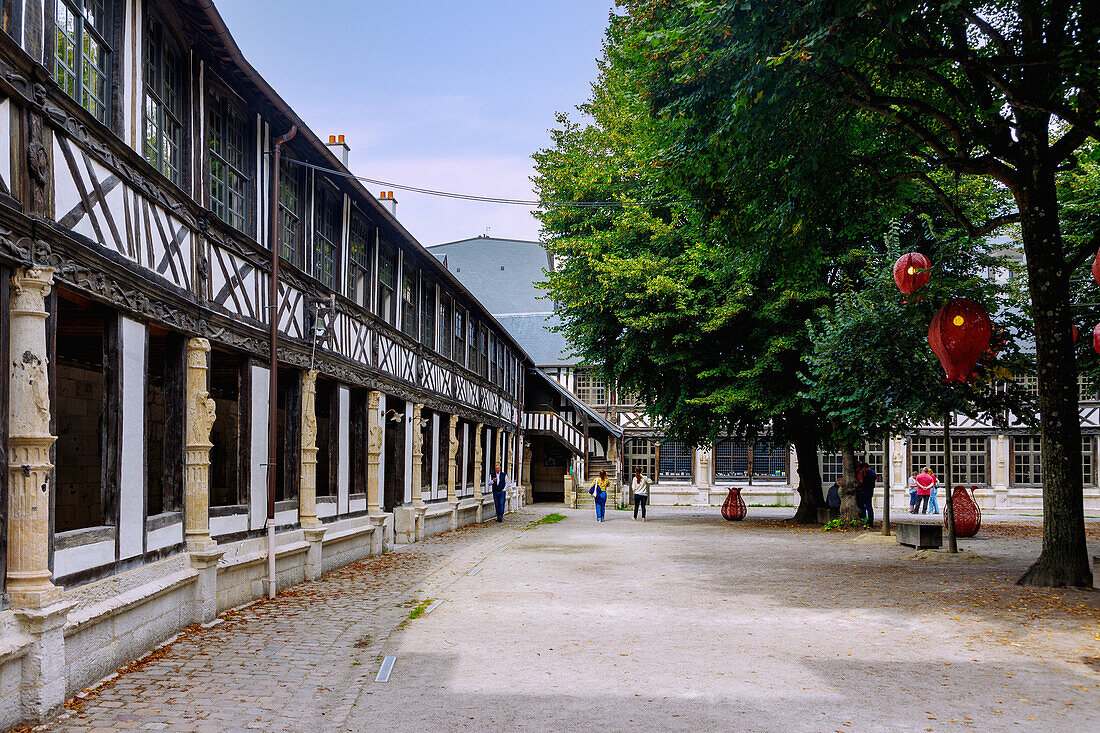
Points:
(307, 492)
(452, 462)
(196, 477)
(479, 459)
(29, 442)
(417, 455)
(378, 519)
(374, 452)
(528, 483)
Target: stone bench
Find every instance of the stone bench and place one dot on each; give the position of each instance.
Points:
(920, 535)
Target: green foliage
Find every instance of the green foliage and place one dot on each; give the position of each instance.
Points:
(844, 525)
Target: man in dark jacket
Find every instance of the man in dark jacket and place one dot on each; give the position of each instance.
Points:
(866, 492)
(498, 481)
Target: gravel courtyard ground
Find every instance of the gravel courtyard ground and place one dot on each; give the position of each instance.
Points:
(683, 623)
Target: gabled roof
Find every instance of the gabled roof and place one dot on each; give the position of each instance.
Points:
(578, 404)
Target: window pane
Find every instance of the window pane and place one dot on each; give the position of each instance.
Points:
(674, 459)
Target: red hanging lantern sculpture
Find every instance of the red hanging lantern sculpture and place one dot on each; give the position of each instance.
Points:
(1096, 338)
(1096, 267)
(968, 515)
(959, 333)
(1075, 333)
(912, 272)
(733, 508)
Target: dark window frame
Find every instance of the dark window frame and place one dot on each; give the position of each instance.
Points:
(221, 101)
(292, 198)
(410, 300)
(386, 305)
(360, 258)
(163, 56)
(68, 71)
(328, 218)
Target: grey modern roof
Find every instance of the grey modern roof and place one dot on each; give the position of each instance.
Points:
(502, 274)
(532, 332)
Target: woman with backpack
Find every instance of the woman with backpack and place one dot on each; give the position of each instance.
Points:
(599, 491)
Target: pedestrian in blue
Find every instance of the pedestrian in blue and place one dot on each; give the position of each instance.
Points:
(933, 505)
(498, 481)
(599, 491)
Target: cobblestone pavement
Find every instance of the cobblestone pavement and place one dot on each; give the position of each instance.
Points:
(684, 623)
(288, 664)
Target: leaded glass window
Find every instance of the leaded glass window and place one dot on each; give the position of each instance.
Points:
(326, 238)
(427, 313)
(387, 275)
(874, 452)
(483, 349)
(769, 460)
(82, 54)
(471, 344)
(969, 458)
(1088, 473)
(291, 202)
(731, 458)
(1026, 460)
(674, 460)
(163, 108)
(491, 374)
(641, 454)
(408, 301)
(445, 325)
(230, 162)
(590, 387)
(460, 336)
(359, 260)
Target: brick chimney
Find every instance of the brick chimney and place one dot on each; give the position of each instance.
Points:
(387, 199)
(337, 145)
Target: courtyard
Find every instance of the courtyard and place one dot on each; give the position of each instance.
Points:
(684, 622)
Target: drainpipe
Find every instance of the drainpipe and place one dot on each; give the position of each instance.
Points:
(273, 390)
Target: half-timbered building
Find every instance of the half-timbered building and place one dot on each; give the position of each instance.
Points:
(137, 222)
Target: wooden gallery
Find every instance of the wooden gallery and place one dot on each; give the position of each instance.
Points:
(148, 441)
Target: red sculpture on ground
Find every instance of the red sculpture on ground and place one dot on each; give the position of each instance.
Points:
(968, 515)
(912, 272)
(733, 508)
(958, 334)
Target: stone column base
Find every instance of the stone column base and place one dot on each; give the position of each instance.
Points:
(315, 537)
(206, 586)
(378, 543)
(44, 682)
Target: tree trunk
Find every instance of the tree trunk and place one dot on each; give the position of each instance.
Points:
(849, 509)
(1064, 558)
(810, 498)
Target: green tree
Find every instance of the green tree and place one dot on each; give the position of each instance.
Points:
(1005, 90)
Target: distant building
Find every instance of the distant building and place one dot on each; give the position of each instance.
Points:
(1003, 464)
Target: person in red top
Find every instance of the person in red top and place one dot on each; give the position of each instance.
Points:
(925, 482)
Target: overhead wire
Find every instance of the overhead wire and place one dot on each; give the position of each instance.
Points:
(532, 203)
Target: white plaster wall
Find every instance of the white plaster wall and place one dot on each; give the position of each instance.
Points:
(74, 559)
(408, 451)
(164, 537)
(5, 142)
(357, 505)
(435, 455)
(230, 524)
(343, 478)
(258, 474)
(131, 510)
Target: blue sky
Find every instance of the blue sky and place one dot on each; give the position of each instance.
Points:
(431, 93)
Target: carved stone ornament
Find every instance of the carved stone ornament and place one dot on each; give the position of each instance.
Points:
(38, 166)
(309, 409)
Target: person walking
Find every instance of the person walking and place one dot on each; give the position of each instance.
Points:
(498, 482)
(639, 486)
(913, 486)
(865, 493)
(933, 505)
(599, 491)
(925, 482)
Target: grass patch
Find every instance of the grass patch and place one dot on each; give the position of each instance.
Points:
(548, 519)
(421, 607)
